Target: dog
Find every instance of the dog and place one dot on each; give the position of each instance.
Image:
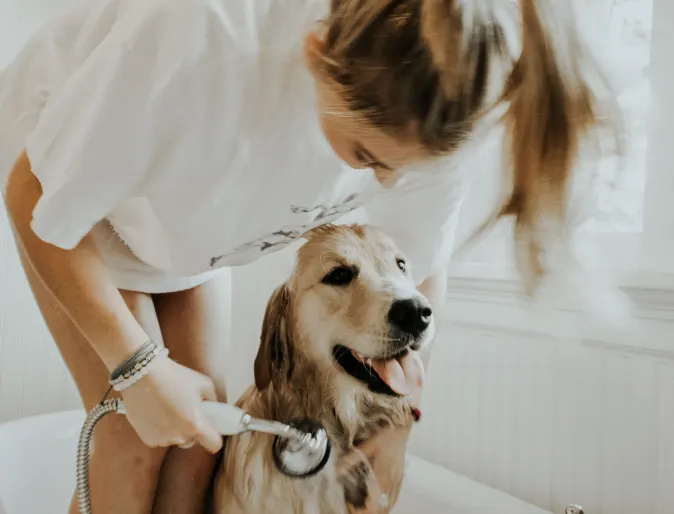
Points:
(340, 344)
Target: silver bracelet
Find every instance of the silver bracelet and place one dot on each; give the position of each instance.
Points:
(136, 366)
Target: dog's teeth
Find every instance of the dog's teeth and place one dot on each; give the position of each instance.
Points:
(368, 361)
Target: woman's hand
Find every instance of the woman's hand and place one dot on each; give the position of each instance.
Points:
(372, 473)
(164, 407)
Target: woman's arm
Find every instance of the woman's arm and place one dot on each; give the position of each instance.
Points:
(164, 407)
(77, 278)
(435, 289)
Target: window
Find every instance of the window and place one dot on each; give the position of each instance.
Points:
(620, 222)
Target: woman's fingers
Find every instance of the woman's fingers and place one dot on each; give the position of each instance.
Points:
(207, 390)
(209, 438)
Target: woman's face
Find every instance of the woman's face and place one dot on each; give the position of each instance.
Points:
(358, 143)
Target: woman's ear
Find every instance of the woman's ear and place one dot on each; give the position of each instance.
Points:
(274, 360)
(313, 48)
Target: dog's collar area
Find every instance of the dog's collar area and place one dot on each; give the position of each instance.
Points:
(360, 371)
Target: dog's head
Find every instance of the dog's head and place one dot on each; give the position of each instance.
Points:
(351, 308)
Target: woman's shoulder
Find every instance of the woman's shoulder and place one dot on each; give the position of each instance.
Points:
(248, 26)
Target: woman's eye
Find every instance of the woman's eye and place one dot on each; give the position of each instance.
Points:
(364, 161)
(340, 276)
(402, 265)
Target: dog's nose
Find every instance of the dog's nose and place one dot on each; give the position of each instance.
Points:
(412, 315)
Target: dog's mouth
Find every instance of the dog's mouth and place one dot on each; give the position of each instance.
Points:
(394, 375)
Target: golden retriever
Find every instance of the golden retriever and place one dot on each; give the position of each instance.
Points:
(340, 345)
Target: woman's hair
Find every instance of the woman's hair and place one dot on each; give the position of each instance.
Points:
(425, 67)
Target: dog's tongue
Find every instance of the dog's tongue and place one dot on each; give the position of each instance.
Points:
(404, 375)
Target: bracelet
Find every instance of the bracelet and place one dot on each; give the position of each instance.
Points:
(136, 366)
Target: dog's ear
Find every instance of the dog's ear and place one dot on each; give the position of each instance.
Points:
(274, 359)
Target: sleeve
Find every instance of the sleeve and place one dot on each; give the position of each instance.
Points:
(422, 216)
(101, 131)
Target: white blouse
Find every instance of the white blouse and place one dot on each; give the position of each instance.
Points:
(192, 126)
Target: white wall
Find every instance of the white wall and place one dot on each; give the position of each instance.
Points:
(584, 418)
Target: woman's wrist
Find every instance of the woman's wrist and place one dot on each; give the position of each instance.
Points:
(137, 366)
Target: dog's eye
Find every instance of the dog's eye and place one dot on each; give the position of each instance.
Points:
(401, 264)
(340, 276)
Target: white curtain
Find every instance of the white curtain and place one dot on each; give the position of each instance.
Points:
(658, 249)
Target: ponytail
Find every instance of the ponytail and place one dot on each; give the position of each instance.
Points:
(440, 66)
(553, 96)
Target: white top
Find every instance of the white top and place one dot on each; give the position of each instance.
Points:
(192, 126)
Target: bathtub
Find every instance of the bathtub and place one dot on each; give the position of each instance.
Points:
(37, 475)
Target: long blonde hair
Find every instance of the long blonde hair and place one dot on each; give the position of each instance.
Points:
(427, 65)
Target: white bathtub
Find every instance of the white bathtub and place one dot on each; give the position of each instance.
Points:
(37, 475)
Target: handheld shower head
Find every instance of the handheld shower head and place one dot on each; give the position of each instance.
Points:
(301, 449)
(305, 457)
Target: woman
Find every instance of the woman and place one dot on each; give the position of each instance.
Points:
(148, 145)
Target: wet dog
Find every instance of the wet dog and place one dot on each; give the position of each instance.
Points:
(340, 345)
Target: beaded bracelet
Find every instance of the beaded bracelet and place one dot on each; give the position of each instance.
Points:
(136, 366)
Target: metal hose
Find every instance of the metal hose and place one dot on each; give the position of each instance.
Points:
(300, 450)
(84, 448)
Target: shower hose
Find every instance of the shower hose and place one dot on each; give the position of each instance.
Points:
(84, 449)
